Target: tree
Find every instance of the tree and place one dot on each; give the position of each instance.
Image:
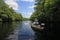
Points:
(47, 10)
(8, 14)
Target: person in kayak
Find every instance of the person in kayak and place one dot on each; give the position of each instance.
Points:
(36, 22)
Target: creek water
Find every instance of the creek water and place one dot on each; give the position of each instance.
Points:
(23, 31)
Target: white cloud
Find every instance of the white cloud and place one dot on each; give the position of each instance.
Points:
(28, 0)
(32, 6)
(27, 14)
(12, 3)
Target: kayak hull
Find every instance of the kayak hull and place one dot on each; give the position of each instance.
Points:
(37, 28)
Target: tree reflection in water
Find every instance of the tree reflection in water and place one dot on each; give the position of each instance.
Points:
(6, 29)
(52, 32)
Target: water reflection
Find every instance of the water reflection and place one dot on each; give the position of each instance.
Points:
(26, 33)
(23, 31)
(6, 29)
(51, 32)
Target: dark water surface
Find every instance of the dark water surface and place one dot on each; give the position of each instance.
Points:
(23, 31)
(17, 31)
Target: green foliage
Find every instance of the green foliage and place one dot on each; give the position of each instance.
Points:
(26, 19)
(8, 14)
(47, 10)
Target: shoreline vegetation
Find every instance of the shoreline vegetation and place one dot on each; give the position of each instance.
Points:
(46, 11)
(8, 14)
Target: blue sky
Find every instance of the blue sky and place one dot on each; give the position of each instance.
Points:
(25, 7)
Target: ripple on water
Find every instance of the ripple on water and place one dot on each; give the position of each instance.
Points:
(26, 33)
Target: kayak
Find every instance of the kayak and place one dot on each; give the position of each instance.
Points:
(37, 28)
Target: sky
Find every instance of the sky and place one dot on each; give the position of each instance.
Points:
(25, 7)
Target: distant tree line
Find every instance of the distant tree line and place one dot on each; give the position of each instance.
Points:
(46, 11)
(26, 19)
(8, 14)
